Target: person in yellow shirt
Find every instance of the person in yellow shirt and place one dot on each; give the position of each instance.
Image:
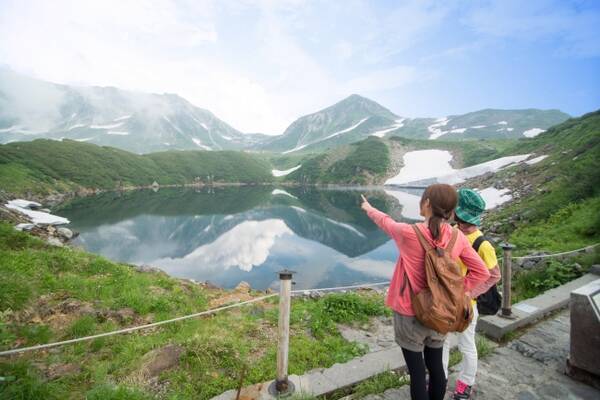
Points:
(468, 218)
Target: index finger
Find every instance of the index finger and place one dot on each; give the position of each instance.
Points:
(363, 197)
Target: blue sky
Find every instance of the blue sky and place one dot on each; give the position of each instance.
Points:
(259, 65)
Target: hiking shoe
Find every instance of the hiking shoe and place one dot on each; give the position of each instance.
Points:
(462, 391)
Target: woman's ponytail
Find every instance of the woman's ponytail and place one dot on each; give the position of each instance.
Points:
(442, 199)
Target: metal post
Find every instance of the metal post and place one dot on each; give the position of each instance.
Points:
(282, 386)
(506, 279)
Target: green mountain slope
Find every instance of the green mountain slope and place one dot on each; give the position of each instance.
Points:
(559, 208)
(44, 165)
(345, 122)
(356, 118)
(364, 162)
(483, 124)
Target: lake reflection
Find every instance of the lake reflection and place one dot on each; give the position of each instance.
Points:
(226, 235)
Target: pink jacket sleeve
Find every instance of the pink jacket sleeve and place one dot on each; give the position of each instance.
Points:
(485, 286)
(386, 223)
(478, 272)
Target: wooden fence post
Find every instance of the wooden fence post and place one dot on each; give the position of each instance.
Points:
(507, 249)
(282, 386)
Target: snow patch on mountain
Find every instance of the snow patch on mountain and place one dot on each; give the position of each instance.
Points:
(120, 133)
(461, 175)
(9, 129)
(494, 197)
(502, 123)
(536, 160)
(533, 132)
(421, 165)
(37, 217)
(345, 130)
(107, 126)
(334, 134)
(198, 143)
(172, 124)
(122, 118)
(435, 130)
(75, 126)
(381, 133)
(479, 126)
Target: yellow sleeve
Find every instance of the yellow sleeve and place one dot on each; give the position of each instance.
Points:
(488, 254)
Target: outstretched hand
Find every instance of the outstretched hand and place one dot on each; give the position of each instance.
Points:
(365, 203)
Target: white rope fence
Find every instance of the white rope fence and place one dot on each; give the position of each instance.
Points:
(214, 310)
(168, 321)
(557, 254)
(133, 328)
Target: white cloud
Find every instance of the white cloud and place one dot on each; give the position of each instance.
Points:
(192, 49)
(260, 64)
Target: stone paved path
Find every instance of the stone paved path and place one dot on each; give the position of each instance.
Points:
(528, 368)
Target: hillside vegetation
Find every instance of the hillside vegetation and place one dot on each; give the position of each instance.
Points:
(49, 293)
(564, 211)
(44, 165)
(364, 162)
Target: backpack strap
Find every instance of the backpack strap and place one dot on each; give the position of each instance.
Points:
(421, 238)
(478, 242)
(452, 240)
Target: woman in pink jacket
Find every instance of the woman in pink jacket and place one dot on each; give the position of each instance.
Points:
(422, 346)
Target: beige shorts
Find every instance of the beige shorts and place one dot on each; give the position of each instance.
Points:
(414, 336)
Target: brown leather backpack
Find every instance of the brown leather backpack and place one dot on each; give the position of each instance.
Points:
(443, 305)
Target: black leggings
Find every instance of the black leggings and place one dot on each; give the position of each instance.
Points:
(416, 369)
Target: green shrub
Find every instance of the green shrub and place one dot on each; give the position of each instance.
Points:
(83, 326)
(110, 392)
(529, 284)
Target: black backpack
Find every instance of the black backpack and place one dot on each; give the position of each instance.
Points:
(489, 302)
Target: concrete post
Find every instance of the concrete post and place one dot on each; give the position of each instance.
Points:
(282, 386)
(506, 279)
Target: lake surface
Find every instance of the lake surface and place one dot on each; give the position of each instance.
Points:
(228, 235)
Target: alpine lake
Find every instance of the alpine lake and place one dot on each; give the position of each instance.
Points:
(225, 235)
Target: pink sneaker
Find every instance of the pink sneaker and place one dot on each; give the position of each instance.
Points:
(462, 391)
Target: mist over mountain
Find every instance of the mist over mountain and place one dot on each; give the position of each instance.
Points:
(145, 123)
(132, 121)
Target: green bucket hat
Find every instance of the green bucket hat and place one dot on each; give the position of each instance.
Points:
(470, 206)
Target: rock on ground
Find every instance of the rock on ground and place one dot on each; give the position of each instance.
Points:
(378, 336)
(65, 233)
(162, 359)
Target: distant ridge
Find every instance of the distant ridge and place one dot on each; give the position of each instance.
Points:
(144, 123)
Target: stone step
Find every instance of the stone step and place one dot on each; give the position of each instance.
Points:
(531, 310)
(326, 380)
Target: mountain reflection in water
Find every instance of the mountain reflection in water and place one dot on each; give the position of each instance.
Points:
(226, 235)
